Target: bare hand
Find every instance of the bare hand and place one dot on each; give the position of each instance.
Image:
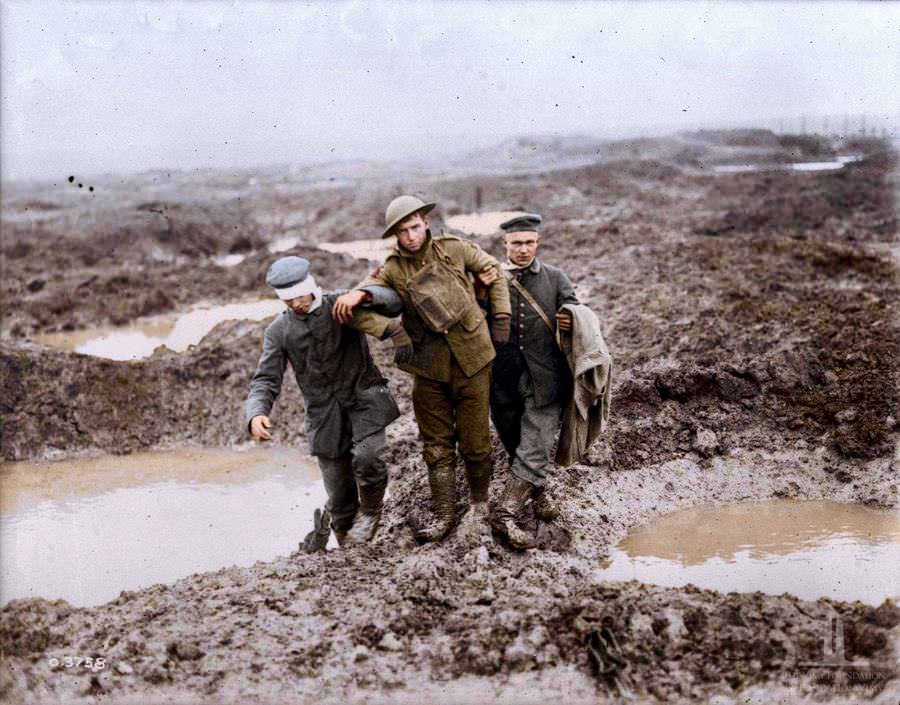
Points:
(564, 321)
(488, 276)
(345, 303)
(259, 426)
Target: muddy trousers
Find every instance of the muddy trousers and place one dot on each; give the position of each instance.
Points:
(362, 466)
(527, 432)
(452, 414)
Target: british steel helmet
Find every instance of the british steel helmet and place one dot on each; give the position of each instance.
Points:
(403, 207)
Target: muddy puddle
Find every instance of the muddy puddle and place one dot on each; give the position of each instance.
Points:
(175, 331)
(481, 223)
(231, 260)
(283, 244)
(810, 549)
(837, 163)
(373, 250)
(86, 529)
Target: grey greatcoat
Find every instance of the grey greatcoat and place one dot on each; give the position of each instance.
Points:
(532, 345)
(346, 399)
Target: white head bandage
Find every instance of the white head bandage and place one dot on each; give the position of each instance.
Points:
(301, 288)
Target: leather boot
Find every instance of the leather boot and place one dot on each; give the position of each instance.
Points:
(478, 473)
(442, 478)
(368, 516)
(545, 506)
(475, 524)
(515, 494)
(341, 536)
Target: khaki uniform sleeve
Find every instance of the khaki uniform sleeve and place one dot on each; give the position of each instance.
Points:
(477, 260)
(369, 322)
(378, 277)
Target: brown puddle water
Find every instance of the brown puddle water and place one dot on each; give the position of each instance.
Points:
(481, 223)
(175, 331)
(86, 529)
(810, 549)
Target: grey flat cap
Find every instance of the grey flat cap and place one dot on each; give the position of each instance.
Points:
(287, 271)
(528, 222)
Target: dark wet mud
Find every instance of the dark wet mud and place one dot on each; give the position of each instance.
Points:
(753, 322)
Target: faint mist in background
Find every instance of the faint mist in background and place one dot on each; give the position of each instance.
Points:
(122, 86)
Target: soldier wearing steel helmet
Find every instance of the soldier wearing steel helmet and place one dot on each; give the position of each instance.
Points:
(450, 355)
(346, 400)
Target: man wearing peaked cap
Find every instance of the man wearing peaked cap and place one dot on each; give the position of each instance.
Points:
(531, 379)
(450, 357)
(530, 222)
(346, 399)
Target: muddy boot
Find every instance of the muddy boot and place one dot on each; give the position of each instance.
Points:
(368, 516)
(340, 536)
(515, 494)
(442, 478)
(476, 522)
(546, 507)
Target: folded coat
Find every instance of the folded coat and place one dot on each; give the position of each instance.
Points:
(587, 412)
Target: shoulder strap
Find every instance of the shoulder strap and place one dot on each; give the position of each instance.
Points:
(530, 299)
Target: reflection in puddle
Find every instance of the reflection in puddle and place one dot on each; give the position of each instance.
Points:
(373, 250)
(481, 223)
(176, 332)
(231, 260)
(809, 549)
(283, 244)
(838, 163)
(85, 529)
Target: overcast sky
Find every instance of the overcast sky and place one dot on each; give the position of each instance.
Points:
(121, 86)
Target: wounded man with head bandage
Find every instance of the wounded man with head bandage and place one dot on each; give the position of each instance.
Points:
(346, 399)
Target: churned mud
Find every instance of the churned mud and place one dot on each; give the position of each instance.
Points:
(752, 317)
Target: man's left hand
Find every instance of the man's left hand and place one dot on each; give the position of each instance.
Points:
(564, 321)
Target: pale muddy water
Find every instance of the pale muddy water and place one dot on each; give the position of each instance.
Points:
(373, 250)
(838, 163)
(810, 549)
(282, 244)
(481, 223)
(175, 331)
(86, 529)
(231, 260)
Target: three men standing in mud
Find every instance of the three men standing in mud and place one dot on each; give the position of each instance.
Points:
(447, 341)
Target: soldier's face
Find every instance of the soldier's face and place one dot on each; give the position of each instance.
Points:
(412, 231)
(522, 247)
(300, 304)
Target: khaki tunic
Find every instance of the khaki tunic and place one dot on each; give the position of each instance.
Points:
(469, 341)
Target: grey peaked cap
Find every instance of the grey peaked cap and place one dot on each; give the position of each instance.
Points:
(287, 271)
(527, 222)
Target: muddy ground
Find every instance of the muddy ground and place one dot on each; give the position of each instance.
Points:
(754, 326)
